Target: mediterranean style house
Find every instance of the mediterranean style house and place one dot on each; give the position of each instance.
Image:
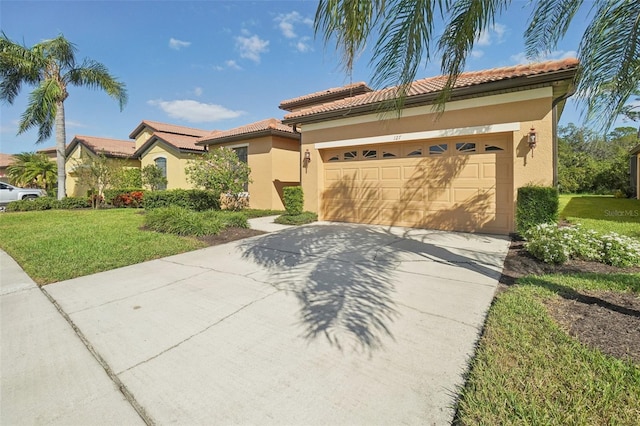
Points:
(458, 169)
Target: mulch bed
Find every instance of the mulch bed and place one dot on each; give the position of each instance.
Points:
(606, 320)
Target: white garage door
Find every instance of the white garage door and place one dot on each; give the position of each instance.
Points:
(462, 184)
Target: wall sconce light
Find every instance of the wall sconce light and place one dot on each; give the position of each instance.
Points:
(532, 139)
(307, 157)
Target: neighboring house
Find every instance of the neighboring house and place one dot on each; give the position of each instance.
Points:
(272, 151)
(50, 152)
(635, 170)
(5, 161)
(91, 146)
(169, 147)
(459, 170)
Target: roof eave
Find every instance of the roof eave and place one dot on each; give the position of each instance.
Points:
(635, 150)
(483, 89)
(251, 135)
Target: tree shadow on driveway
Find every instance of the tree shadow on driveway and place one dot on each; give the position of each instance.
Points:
(343, 277)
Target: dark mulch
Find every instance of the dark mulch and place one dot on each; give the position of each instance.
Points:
(606, 320)
(228, 235)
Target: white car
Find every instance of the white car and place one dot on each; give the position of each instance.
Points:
(9, 193)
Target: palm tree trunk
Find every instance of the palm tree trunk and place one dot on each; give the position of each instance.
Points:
(61, 159)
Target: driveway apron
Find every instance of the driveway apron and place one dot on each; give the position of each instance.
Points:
(320, 324)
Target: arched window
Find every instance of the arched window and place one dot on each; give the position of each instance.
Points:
(161, 163)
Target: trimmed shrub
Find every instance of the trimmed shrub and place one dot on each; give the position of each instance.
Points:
(192, 199)
(293, 200)
(111, 195)
(551, 244)
(73, 203)
(35, 204)
(299, 219)
(536, 205)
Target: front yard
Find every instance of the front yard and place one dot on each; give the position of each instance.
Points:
(56, 245)
(561, 344)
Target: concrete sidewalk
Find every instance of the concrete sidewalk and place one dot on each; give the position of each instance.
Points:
(48, 375)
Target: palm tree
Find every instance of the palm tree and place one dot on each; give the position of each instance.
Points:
(609, 53)
(51, 67)
(31, 168)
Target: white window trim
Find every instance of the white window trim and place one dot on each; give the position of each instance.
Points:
(429, 134)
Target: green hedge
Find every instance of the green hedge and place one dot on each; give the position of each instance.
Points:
(181, 221)
(192, 199)
(293, 200)
(48, 203)
(536, 205)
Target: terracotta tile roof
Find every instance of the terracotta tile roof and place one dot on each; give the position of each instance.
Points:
(433, 85)
(110, 147)
(324, 96)
(178, 141)
(51, 149)
(268, 126)
(6, 160)
(168, 128)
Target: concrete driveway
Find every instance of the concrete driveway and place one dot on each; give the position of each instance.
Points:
(321, 324)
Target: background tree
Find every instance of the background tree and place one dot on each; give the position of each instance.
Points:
(590, 163)
(219, 170)
(50, 66)
(153, 177)
(31, 169)
(403, 33)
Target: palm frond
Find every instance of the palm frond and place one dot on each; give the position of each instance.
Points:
(403, 44)
(41, 109)
(610, 60)
(349, 22)
(468, 19)
(18, 65)
(58, 49)
(95, 75)
(550, 20)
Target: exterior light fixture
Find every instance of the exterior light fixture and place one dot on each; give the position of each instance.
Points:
(307, 157)
(532, 139)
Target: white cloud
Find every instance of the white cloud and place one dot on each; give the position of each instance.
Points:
(521, 57)
(194, 111)
(477, 53)
(74, 124)
(197, 91)
(176, 44)
(288, 21)
(251, 47)
(492, 35)
(232, 64)
(303, 45)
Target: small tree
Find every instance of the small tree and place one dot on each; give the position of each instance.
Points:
(128, 177)
(152, 177)
(97, 173)
(219, 170)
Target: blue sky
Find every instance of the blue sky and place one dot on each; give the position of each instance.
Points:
(211, 64)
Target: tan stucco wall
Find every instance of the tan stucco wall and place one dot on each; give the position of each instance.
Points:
(536, 169)
(274, 163)
(176, 163)
(73, 188)
(143, 136)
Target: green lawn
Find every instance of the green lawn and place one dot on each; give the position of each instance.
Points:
(528, 371)
(56, 245)
(602, 213)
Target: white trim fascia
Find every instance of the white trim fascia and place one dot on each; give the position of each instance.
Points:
(479, 102)
(240, 145)
(429, 134)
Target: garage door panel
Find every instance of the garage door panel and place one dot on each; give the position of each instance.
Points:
(457, 191)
